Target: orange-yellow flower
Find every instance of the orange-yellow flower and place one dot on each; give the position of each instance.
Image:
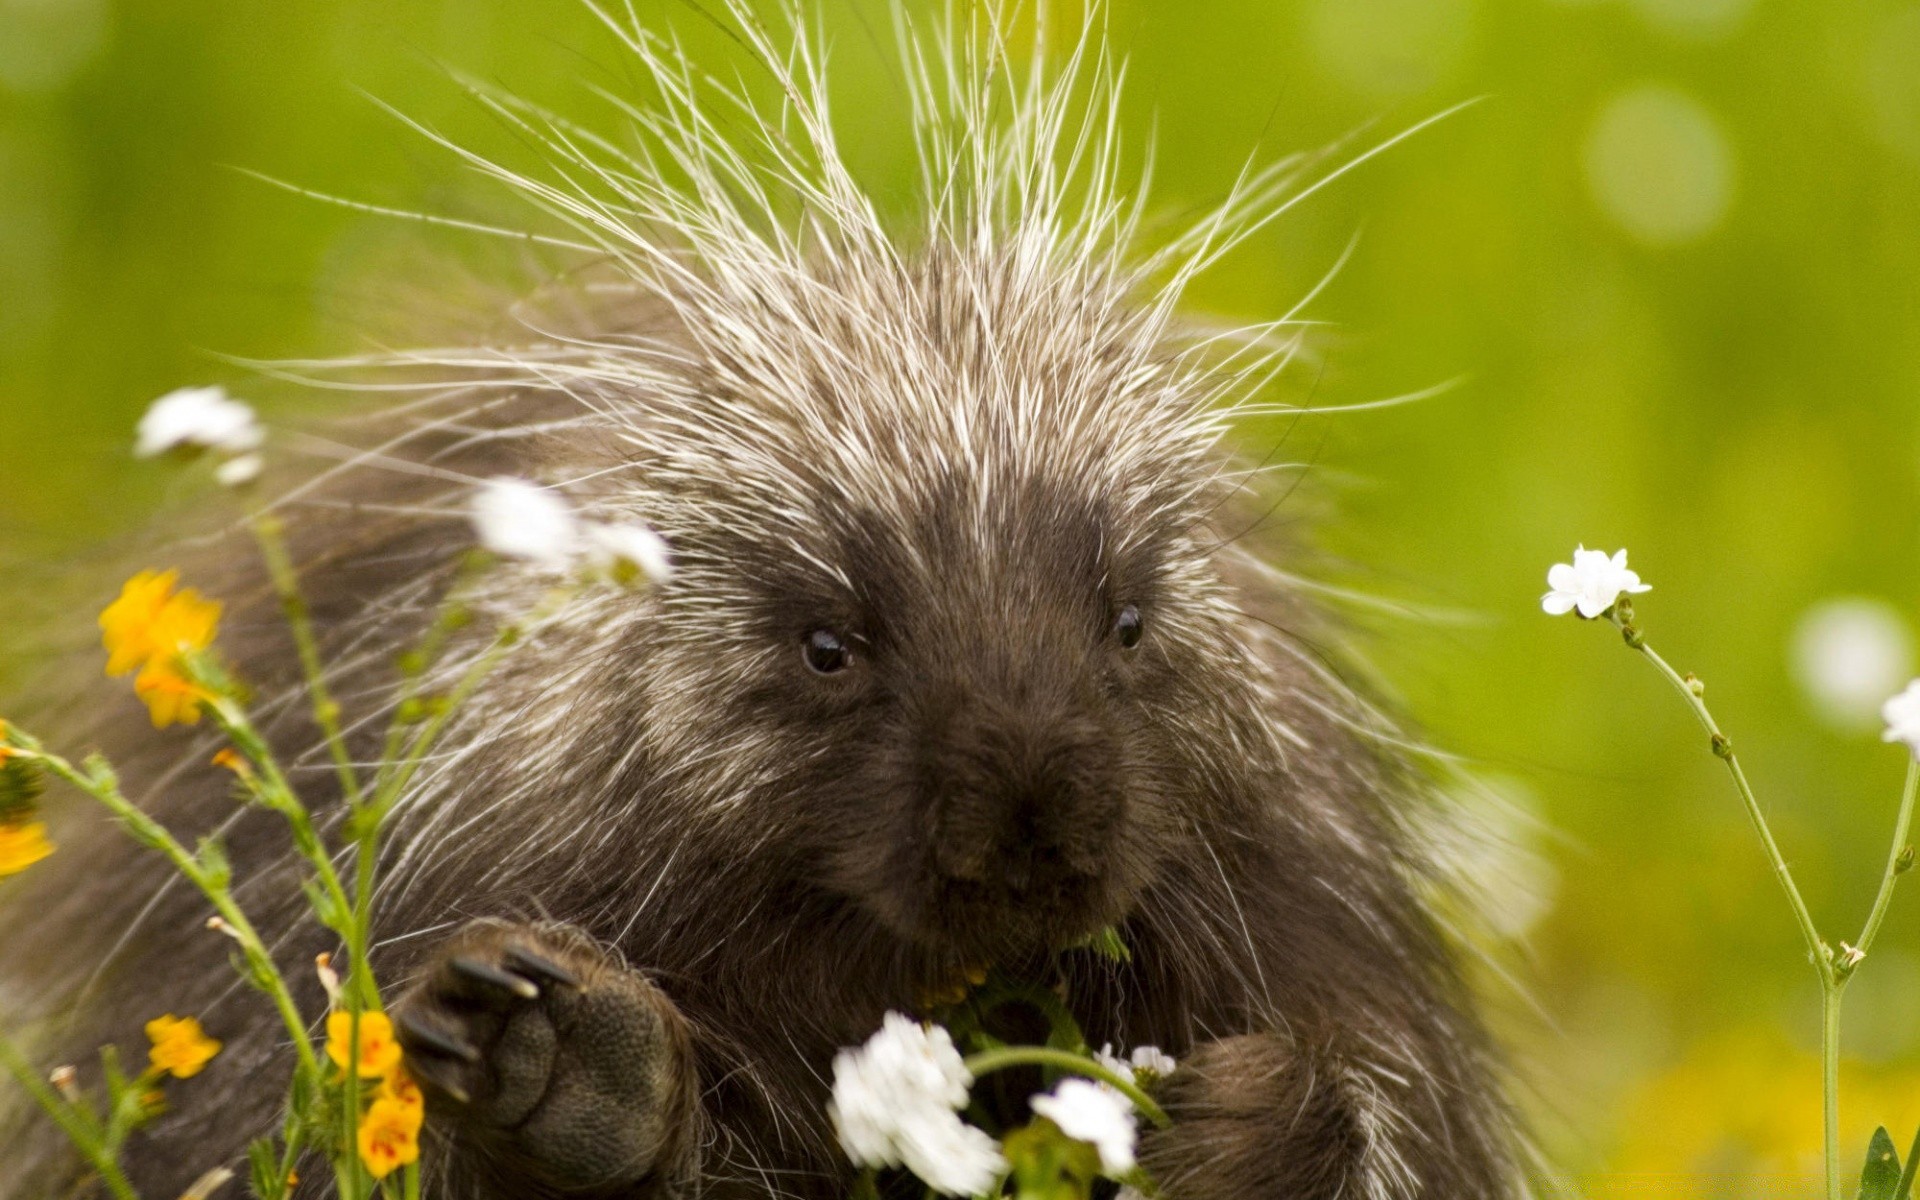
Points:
(171, 698)
(180, 1046)
(390, 1136)
(22, 844)
(152, 622)
(379, 1052)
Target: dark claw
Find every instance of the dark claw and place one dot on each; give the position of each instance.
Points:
(528, 963)
(438, 1075)
(422, 1036)
(506, 981)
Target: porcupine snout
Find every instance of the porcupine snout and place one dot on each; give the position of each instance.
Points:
(1019, 792)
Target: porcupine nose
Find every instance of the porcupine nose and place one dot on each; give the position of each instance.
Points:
(1021, 795)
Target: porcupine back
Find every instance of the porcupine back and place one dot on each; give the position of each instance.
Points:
(798, 394)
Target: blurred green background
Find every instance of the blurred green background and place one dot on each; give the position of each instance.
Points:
(1675, 254)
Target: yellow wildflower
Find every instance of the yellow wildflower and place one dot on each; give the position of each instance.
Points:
(148, 629)
(22, 844)
(390, 1136)
(180, 1046)
(171, 698)
(379, 1052)
(150, 621)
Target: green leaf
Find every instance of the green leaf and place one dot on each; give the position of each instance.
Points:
(263, 1170)
(1881, 1177)
(1906, 1177)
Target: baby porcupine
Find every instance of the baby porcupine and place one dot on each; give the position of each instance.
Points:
(961, 663)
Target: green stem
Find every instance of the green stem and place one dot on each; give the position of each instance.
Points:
(1830, 1081)
(326, 711)
(989, 1061)
(1901, 825)
(151, 833)
(71, 1122)
(1723, 749)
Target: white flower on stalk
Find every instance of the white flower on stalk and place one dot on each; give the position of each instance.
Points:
(517, 519)
(1096, 1114)
(896, 1101)
(1902, 714)
(1151, 1059)
(633, 546)
(198, 419)
(1591, 584)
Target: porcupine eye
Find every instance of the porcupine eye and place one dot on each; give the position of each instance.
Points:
(825, 651)
(1128, 627)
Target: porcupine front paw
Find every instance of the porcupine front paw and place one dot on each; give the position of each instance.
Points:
(549, 1065)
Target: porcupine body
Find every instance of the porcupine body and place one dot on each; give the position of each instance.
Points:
(961, 662)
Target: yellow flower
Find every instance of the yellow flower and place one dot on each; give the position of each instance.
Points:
(151, 622)
(171, 698)
(379, 1053)
(22, 844)
(180, 1046)
(389, 1136)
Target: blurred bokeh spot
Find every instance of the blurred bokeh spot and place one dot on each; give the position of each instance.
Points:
(1659, 165)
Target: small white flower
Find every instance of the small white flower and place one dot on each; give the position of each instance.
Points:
(1151, 1059)
(198, 418)
(895, 1103)
(1591, 584)
(518, 519)
(1154, 1059)
(1902, 714)
(1096, 1114)
(633, 546)
(238, 472)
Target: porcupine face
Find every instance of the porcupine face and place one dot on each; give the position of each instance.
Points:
(958, 651)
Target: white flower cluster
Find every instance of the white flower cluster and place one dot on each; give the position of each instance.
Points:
(190, 420)
(896, 1102)
(518, 519)
(1590, 584)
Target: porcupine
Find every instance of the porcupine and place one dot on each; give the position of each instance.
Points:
(963, 660)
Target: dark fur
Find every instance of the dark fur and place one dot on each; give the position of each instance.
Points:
(786, 856)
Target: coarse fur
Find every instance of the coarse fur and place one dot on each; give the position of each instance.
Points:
(965, 447)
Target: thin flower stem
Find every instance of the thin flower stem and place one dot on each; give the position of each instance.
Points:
(989, 1061)
(326, 711)
(277, 793)
(1830, 1081)
(72, 1122)
(1902, 824)
(1723, 749)
(151, 833)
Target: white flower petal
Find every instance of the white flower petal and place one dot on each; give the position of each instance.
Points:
(634, 545)
(198, 418)
(237, 472)
(1902, 715)
(1096, 1114)
(517, 519)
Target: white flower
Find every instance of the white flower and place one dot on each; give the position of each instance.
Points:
(1151, 1059)
(518, 519)
(238, 472)
(198, 418)
(1094, 1113)
(895, 1103)
(1591, 584)
(634, 546)
(1849, 654)
(1902, 715)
